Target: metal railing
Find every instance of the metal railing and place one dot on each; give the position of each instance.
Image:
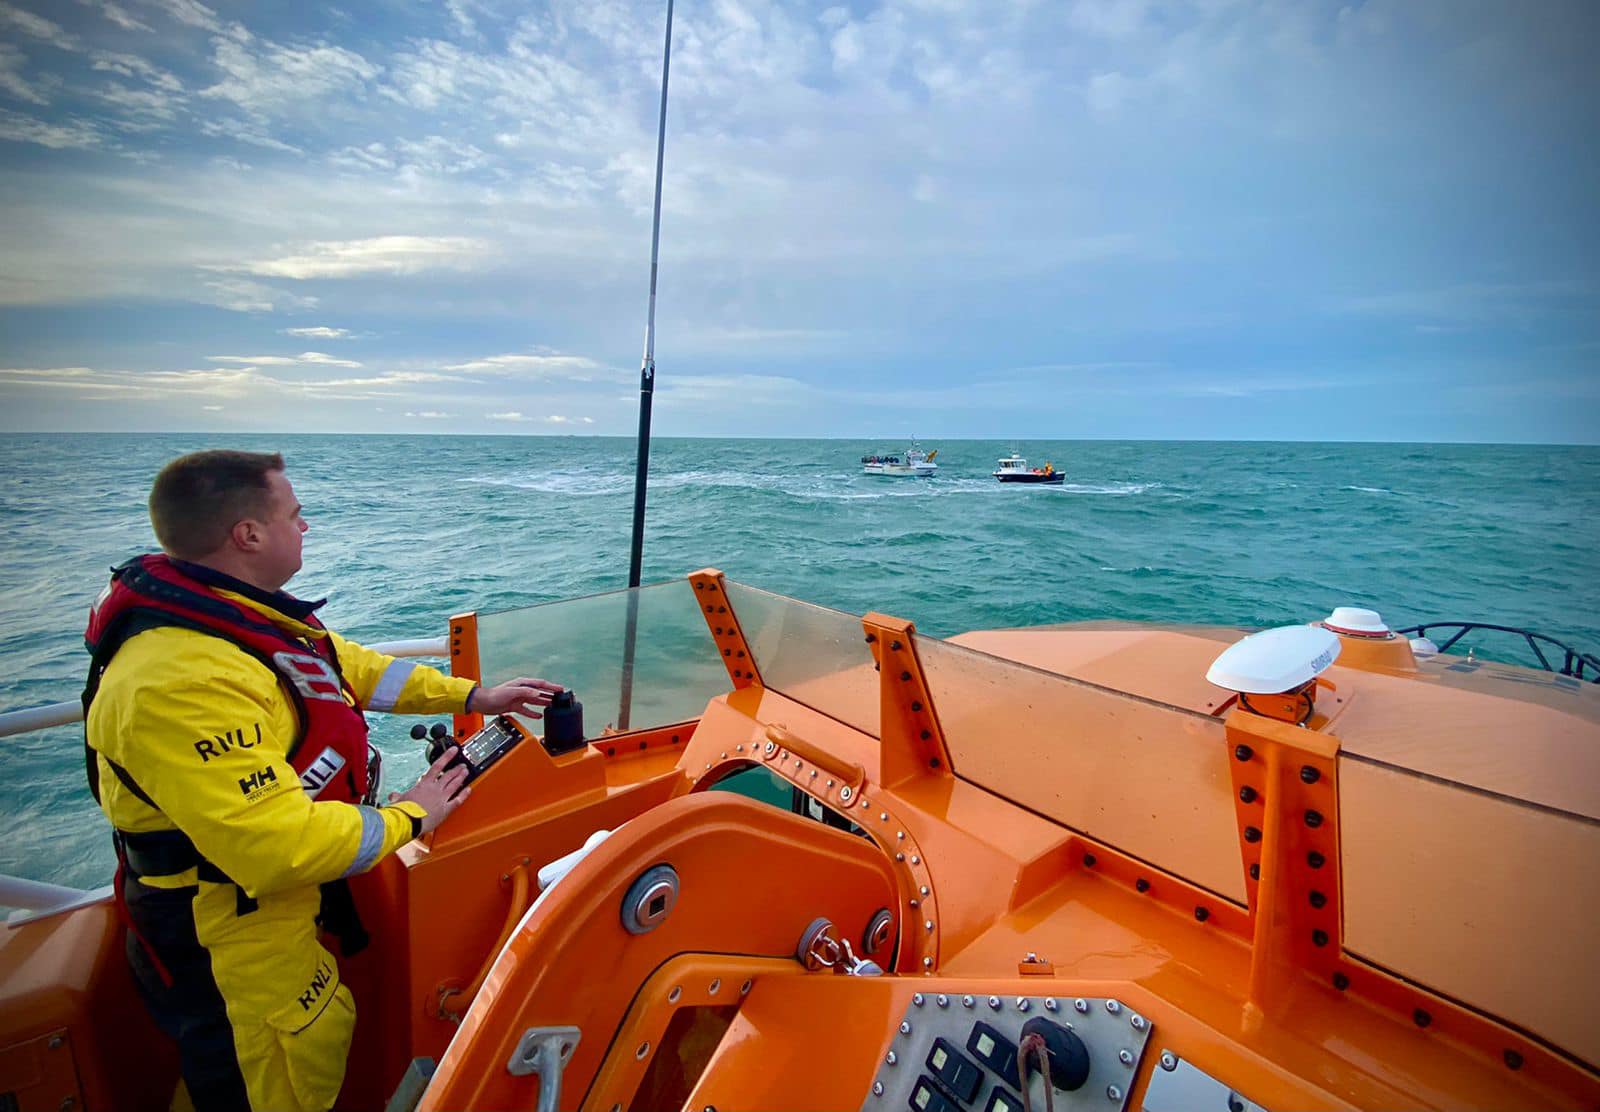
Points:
(29, 719)
(1573, 662)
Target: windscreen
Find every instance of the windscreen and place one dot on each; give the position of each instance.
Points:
(810, 654)
(583, 643)
(1483, 897)
(1145, 777)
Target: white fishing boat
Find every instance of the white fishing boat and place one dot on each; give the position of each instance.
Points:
(913, 463)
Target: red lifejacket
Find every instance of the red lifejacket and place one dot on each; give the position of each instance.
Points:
(329, 752)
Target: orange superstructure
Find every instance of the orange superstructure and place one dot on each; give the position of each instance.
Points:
(1063, 830)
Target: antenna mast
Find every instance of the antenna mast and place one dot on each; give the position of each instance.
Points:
(647, 370)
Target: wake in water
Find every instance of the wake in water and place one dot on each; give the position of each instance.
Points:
(596, 482)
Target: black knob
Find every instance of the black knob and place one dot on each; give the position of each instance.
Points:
(1069, 1058)
(439, 732)
(418, 732)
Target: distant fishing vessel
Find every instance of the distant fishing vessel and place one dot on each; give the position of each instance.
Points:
(1015, 469)
(913, 463)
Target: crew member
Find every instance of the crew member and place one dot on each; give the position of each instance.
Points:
(226, 744)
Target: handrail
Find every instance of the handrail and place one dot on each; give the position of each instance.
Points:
(29, 719)
(519, 905)
(1572, 664)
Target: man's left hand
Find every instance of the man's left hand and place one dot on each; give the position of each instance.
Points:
(518, 696)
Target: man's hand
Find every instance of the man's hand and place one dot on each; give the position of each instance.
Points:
(517, 696)
(438, 792)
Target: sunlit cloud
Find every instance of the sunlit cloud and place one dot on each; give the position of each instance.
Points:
(379, 255)
(536, 366)
(303, 359)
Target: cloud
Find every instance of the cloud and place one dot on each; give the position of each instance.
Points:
(132, 66)
(1114, 19)
(269, 79)
(303, 359)
(38, 27)
(379, 255)
(1483, 303)
(577, 367)
(237, 131)
(549, 419)
(429, 414)
(1107, 91)
(12, 61)
(67, 134)
(90, 382)
(152, 107)
(191, 13)
(318, 332)
(463, 19)
(119, 15)
(243, 296)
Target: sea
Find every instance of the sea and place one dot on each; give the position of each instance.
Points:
(407, 530)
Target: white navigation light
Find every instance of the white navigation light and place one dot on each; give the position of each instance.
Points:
(1275, 660)
(1356, 621)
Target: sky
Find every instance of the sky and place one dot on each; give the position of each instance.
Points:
(1006, 219)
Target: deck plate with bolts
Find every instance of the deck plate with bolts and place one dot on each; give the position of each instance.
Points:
(1114, 1041)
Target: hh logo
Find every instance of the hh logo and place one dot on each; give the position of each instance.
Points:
(258, 783)
(313, 991)
(218, 744)
(321, 770)
(312, 676)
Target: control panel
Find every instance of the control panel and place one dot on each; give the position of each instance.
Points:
(953, 1052)
(482, 749)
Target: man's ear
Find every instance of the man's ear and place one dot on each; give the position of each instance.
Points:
(246, 535)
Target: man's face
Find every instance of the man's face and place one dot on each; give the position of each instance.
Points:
(279, 555)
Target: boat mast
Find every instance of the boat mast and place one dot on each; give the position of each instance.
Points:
(647, 388)
(647, 370)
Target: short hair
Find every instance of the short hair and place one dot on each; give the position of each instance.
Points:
(197, 499)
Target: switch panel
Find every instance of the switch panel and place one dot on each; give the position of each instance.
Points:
(957, 1052)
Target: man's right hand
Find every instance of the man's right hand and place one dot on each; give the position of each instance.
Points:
(438, 792)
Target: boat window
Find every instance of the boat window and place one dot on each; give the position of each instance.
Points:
(1422, 857)
(676, 669)
(1149, 778)
(757, 782)
(810, 654)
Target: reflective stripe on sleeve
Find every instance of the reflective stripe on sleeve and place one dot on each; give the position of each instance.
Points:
(394, 678)
(371, 841)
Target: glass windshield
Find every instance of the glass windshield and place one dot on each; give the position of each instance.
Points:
(811, 654)
(581, 643)
(1150, 779)
(1483, 897)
